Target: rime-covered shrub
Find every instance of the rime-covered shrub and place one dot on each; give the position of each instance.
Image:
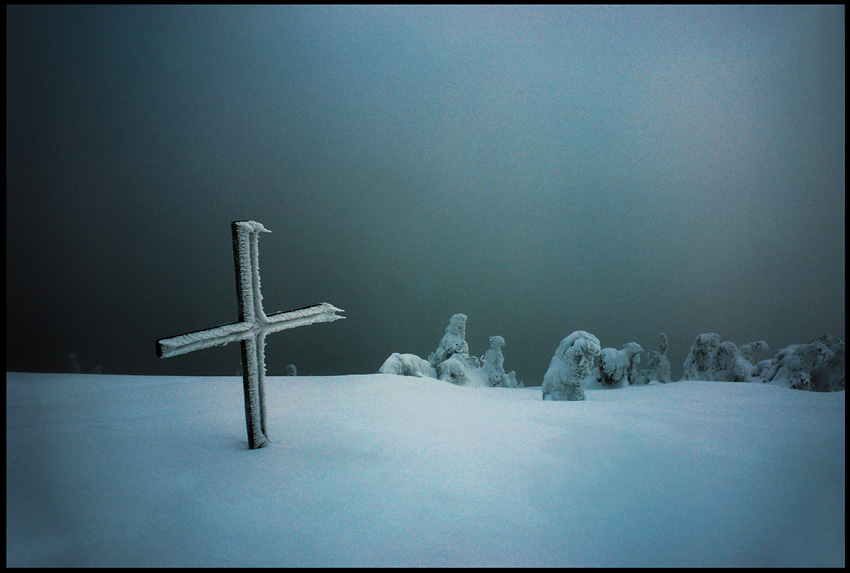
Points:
(493, 361)
(573, 360)
(407, 365)
(729, 364)
(493, 365)
(454, 369)
(619, 367)
(710, 359)
(451, 361)
(749, 350)
(818, 365)
(657, 365)
(829, 376)
(291, 370)
(453, 341)
(698, 362)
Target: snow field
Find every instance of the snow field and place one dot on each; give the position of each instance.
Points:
(385, 470)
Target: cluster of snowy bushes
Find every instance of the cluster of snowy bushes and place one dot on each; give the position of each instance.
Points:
(710, 359)
(580, 362)
(818, 365)
(451, 361)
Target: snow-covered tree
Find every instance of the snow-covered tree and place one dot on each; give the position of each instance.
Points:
(407, 365)
(818, 365)
(493, 361)
(291, 370)
(729, 364)
(451, 359)
(698, 362)
(455, 369)
(829, 376)
(493, 365)
(657, 365)
(619, 367)
(749, 350)
(573, 360)
(453, 341)
(709, 359)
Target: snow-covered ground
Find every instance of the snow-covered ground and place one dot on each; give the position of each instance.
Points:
(384, 470)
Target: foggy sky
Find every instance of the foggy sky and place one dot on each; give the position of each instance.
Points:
(625, 171)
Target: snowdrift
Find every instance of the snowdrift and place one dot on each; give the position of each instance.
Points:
(386, 470)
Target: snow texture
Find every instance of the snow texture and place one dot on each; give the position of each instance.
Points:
(394, 471)
(573, 361)
(618, 368)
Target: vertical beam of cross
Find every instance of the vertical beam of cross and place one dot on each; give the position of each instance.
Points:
(251, 330)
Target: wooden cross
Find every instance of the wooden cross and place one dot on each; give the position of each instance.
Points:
(252, 328)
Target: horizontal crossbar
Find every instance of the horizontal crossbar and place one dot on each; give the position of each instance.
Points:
(227, 333)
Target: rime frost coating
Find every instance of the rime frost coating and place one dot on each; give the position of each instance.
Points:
(246, 253)
(218, 336)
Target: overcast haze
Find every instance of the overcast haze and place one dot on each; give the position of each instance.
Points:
(625, 171)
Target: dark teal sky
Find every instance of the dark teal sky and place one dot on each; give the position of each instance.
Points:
(624, 170)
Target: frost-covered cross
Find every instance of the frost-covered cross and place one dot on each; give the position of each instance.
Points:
(252, 328)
